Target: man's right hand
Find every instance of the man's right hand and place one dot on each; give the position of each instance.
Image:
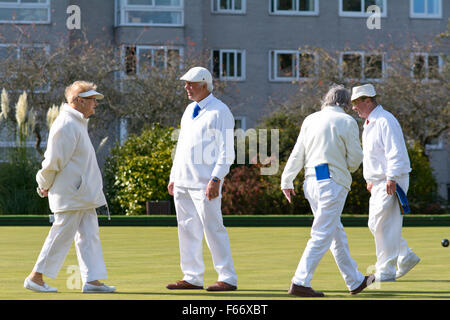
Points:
(170, 188)
(287, 193)
(369, 186)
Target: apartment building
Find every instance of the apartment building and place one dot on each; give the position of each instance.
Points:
(253, 45)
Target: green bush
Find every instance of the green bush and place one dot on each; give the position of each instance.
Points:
(18, 184)
(139, 170)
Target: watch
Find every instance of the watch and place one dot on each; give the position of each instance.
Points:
(215, 179)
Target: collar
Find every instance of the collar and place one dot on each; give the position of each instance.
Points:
(202, 104)
(374, 114)
(74, 113)
(334, 108)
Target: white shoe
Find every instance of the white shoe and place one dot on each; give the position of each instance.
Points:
(407, 266)
(90, 288)
(31, 285)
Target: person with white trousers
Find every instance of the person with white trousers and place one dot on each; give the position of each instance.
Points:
(204, 154)
(329, 149)
(385, 164)
(71, 179)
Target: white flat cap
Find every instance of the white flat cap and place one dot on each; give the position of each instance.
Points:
(366, 90)
(198, 74)
(91, 93)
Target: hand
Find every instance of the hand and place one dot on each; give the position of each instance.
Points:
(45, 192)
(287, 193)
(390, 187)
(212, 190)
(170, 188)
(369, 186)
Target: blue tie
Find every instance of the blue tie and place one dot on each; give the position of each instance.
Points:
(196, 111)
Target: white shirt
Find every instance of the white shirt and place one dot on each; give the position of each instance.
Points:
(328, 136)
(385, 153)
(70, 170)
(205, 145)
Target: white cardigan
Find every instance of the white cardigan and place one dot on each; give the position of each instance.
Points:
(328, 136)
(70, 170)
(205, 145)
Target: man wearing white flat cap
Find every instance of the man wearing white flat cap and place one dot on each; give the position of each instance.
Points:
(71, 179)
(204, 154)
(385, 164)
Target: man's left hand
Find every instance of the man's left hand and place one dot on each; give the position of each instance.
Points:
(390, 187)
(212, 190)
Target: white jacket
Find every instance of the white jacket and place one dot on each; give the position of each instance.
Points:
(70, 170)
(385, 153)
(328, 136)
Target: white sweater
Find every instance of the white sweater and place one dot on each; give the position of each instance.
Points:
(385, 153)
(205, 145)
(70, 170)
(328, 136)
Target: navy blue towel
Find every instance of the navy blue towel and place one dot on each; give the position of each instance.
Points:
(403, 200)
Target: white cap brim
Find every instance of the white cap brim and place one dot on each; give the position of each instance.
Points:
(91, 93)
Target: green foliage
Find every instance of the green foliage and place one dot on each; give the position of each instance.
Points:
(139, 170)
(422, 193)
(18, 184)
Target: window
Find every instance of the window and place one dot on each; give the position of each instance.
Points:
(426, 66)
(358, 8)
(24, 11)
(149, 12)
(142, 59)
(228, 6)
(294, 7)
(240, 123)
(291, 65)
(358, 65)
(228, 64)
(27, 57)
(426, 9)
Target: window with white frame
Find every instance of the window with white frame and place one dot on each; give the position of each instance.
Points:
(294, 7)
(142, 59)
(228, 64)
(150, 13)
(363, 66)
(25, 11)
(426, 9)
(358, 8)
(426, 66)
(291, 65)
(228, 6)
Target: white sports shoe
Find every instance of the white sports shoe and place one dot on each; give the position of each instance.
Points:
(90, 288)
(407, 265)
(31, 285)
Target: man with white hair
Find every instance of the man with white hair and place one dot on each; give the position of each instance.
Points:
(72, 181)
(328, 148)
(204, 154)
(386, 166)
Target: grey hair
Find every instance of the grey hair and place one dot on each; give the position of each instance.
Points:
(337, 96)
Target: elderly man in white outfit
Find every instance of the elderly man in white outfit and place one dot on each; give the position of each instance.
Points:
(204, 154)
(385, 164)
(329, 149)
(72, 180)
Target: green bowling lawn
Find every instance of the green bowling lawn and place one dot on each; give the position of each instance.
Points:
(142, 260)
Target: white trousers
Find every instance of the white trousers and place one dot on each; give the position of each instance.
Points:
(196, 215)
(327, 200)
(81, 226)
(385, 223)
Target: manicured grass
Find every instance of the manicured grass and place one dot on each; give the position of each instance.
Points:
(141, 261)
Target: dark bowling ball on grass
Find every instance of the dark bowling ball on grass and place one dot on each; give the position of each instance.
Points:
(444, 242)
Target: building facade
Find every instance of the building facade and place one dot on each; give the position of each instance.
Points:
(252, 44)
